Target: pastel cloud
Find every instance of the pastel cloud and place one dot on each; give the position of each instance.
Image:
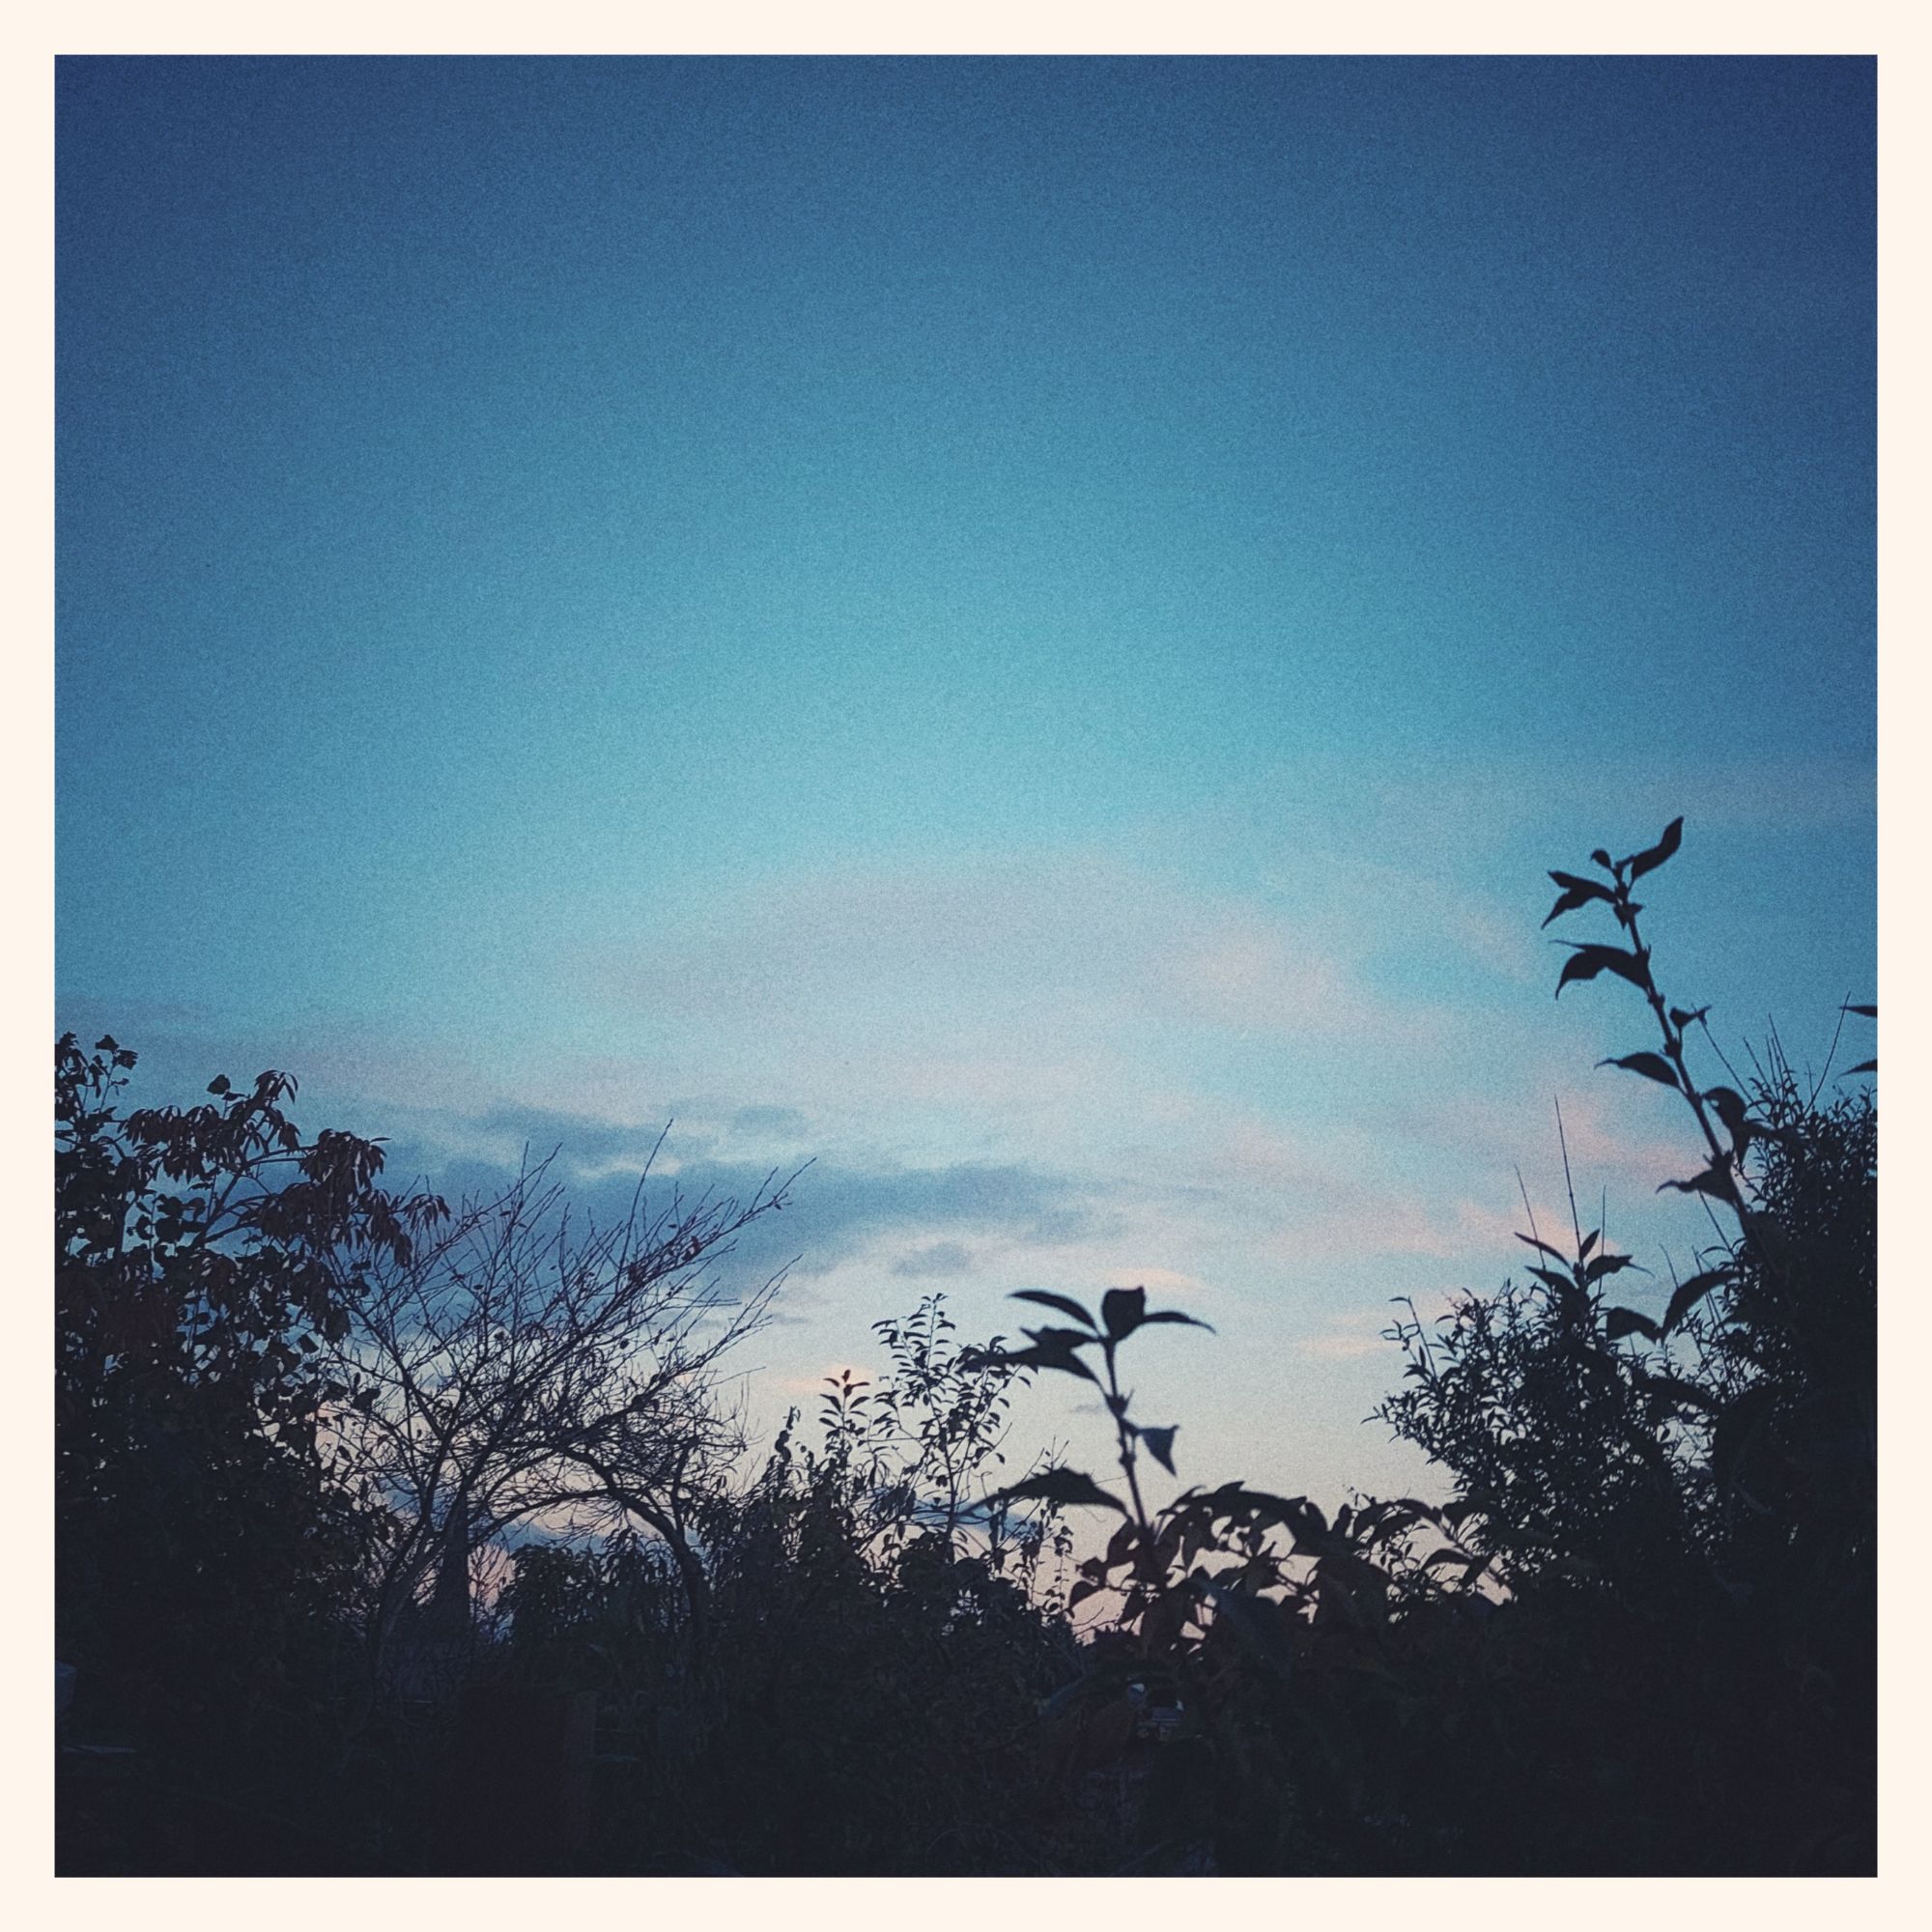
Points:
(983, 982)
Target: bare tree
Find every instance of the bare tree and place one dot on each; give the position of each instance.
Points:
(524, 1367)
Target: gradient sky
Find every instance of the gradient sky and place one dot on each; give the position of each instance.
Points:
(1026, 630)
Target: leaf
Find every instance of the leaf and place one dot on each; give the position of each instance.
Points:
(1681, 1017)
(1052, 1349)
(1556, 1254)
(218, 1085)
(1690, 1292)
(1573, 1302)
(1648, 862)
(1652, 1065)
(1175, 1315)
(1471, 1562)
(1621, 1322)
(1160, 1445)
(1062, 1488)
(1575, 893)
(1590, 1241)
(1731, 1110)
(1563, 1283)
(1585, 962)
(1602, 858)
(1300, 1518)
(1608, 1264)
(1065, 1304)
(1715, 1181)
(1123, 1310)
(1867, 1012)
(1863, 1066)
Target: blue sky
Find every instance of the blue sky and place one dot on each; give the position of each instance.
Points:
(1026, 630)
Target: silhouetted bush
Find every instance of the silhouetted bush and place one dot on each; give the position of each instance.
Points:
(210, 1567)
(1681, 1511)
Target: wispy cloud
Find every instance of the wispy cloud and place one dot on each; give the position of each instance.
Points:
(935, 1258)
(1349, 1337)
(986, 981)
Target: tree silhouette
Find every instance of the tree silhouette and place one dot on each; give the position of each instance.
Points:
(522, 1369)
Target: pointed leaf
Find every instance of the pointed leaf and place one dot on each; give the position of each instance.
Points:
(1621, 1322)
(1175, 1315)
(1590, 1241)
(1585, 962)
(1300, 1518)
(1575, 893)
(1556, 1254)
(1690, 1292)
(1715, 1181)
(1868, 1012)
(1564, 1284)
(1681, 1017)
(1123, 1310)
(1062, 1488)
(1730, 1108)
(1470, 1563)
(1863, 1066)
(1608, 1264)
(1160, 1446)
(1572, 1299)
(1652, 1065)
(1064, 1304)
(1052, 1349)
(1648, 862)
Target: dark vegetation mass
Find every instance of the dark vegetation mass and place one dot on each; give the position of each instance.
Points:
(398, 1537)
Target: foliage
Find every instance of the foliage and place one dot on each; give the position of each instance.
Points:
(208, 1559)
(879, 1642)
(1639, 1638)
(1681, 1510)
(1221, 1598)
(893, 1628)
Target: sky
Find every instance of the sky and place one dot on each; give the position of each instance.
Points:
(1026, 632)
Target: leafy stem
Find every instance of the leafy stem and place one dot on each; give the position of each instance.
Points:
(1673, 1035)
(1124, 1434)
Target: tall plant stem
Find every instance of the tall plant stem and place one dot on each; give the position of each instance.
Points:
(1117, 1407)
